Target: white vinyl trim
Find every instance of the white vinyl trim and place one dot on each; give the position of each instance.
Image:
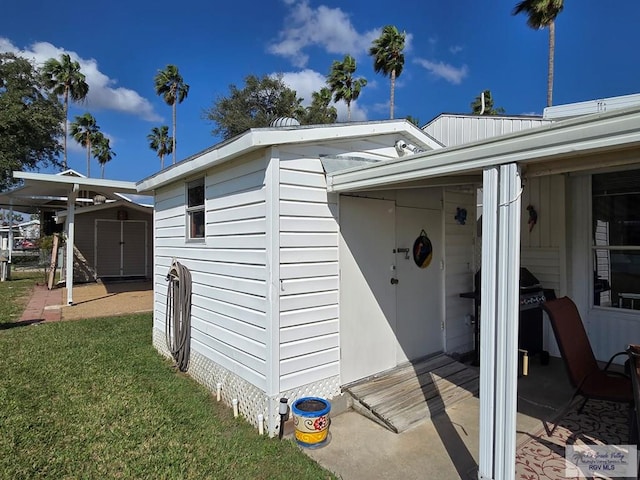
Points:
(272, 185)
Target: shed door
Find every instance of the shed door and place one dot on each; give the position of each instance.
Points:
(367, 296)
(121, 248)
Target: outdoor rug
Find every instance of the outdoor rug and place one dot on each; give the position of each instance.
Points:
(541, 456)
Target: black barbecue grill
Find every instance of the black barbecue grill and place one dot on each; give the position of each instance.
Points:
(530, 330)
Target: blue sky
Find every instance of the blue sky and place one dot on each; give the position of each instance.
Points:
(452, 54)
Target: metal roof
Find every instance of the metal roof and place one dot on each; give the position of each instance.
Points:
(457, 129)
(589, 142)
(40, 190)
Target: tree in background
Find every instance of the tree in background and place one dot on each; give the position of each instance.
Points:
(63, 77)
(542, 14)
(388, 57)
(414, 120)
(101, 151)
(342, 84)
(170, 85)
(30, 119)
(476, 105)
(320, 111)
(256, 105)
(83, 130)
(160, 142)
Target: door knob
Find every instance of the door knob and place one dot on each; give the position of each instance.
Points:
(394, 281)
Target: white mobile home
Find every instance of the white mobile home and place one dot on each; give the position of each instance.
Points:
(301, 281)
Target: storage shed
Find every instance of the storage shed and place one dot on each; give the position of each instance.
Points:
(113, 240)
(287, 278)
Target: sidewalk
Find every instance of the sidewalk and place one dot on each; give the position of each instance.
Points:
(89, 300)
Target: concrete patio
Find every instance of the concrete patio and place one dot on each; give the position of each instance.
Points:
(445, 447)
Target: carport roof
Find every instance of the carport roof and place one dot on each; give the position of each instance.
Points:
(42, 189)
(589, 142)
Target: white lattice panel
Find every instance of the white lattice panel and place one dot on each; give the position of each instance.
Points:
(251, 400)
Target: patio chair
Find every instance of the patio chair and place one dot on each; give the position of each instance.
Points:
(634, 366)
(585, 375)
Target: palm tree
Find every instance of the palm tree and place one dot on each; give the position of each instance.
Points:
(388, 58)
(319, 112)
(542, 14)
(160, 142)
(101, 151)
(342, 83)
(83, 130)
(64, 78)
(170, 84)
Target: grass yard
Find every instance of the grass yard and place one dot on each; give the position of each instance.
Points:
(92, 399)
(14, 294)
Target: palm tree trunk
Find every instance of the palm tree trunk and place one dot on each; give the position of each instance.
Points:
(552, 52)
(66, 126)
(174, 130)
(393, 89)
(88, 157)
(161, 162)
(348, 111)
(102, 170)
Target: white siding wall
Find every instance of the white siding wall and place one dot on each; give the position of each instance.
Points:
(229, 300)
(309, 330)
(459, 268)
(543, 247)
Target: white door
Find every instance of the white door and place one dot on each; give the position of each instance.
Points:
(367, 296)
(419, 290)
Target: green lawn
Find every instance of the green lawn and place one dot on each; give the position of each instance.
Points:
(92, 399)
(14, 294)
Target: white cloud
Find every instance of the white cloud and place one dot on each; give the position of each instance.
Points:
(304, 82)
(443, 70)
(103, 92)
(455, 49)
(307, 81)
(328, 28)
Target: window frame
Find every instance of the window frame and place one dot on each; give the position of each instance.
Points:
(603, 252)
(192, 210)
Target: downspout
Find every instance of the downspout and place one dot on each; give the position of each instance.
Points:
(71, 201)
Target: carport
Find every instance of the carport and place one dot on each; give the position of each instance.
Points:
(61, 191)
(590, 143)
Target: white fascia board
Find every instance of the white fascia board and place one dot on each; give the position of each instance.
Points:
(104, 206)
(255, 139)
(604, 132)
(113, 185)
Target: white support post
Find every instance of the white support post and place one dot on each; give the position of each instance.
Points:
(499, 321)
(71, 201)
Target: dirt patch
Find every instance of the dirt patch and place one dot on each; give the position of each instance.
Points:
(108, 299)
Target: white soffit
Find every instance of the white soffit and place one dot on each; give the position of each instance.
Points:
(563, 143)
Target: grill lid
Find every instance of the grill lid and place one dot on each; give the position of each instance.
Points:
(528, 281)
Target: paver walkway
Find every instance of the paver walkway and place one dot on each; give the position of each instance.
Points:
(44, 305)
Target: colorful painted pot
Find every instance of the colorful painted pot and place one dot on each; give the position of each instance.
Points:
(311, 421)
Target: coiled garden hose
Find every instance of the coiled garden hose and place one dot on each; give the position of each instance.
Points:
(178, 314)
